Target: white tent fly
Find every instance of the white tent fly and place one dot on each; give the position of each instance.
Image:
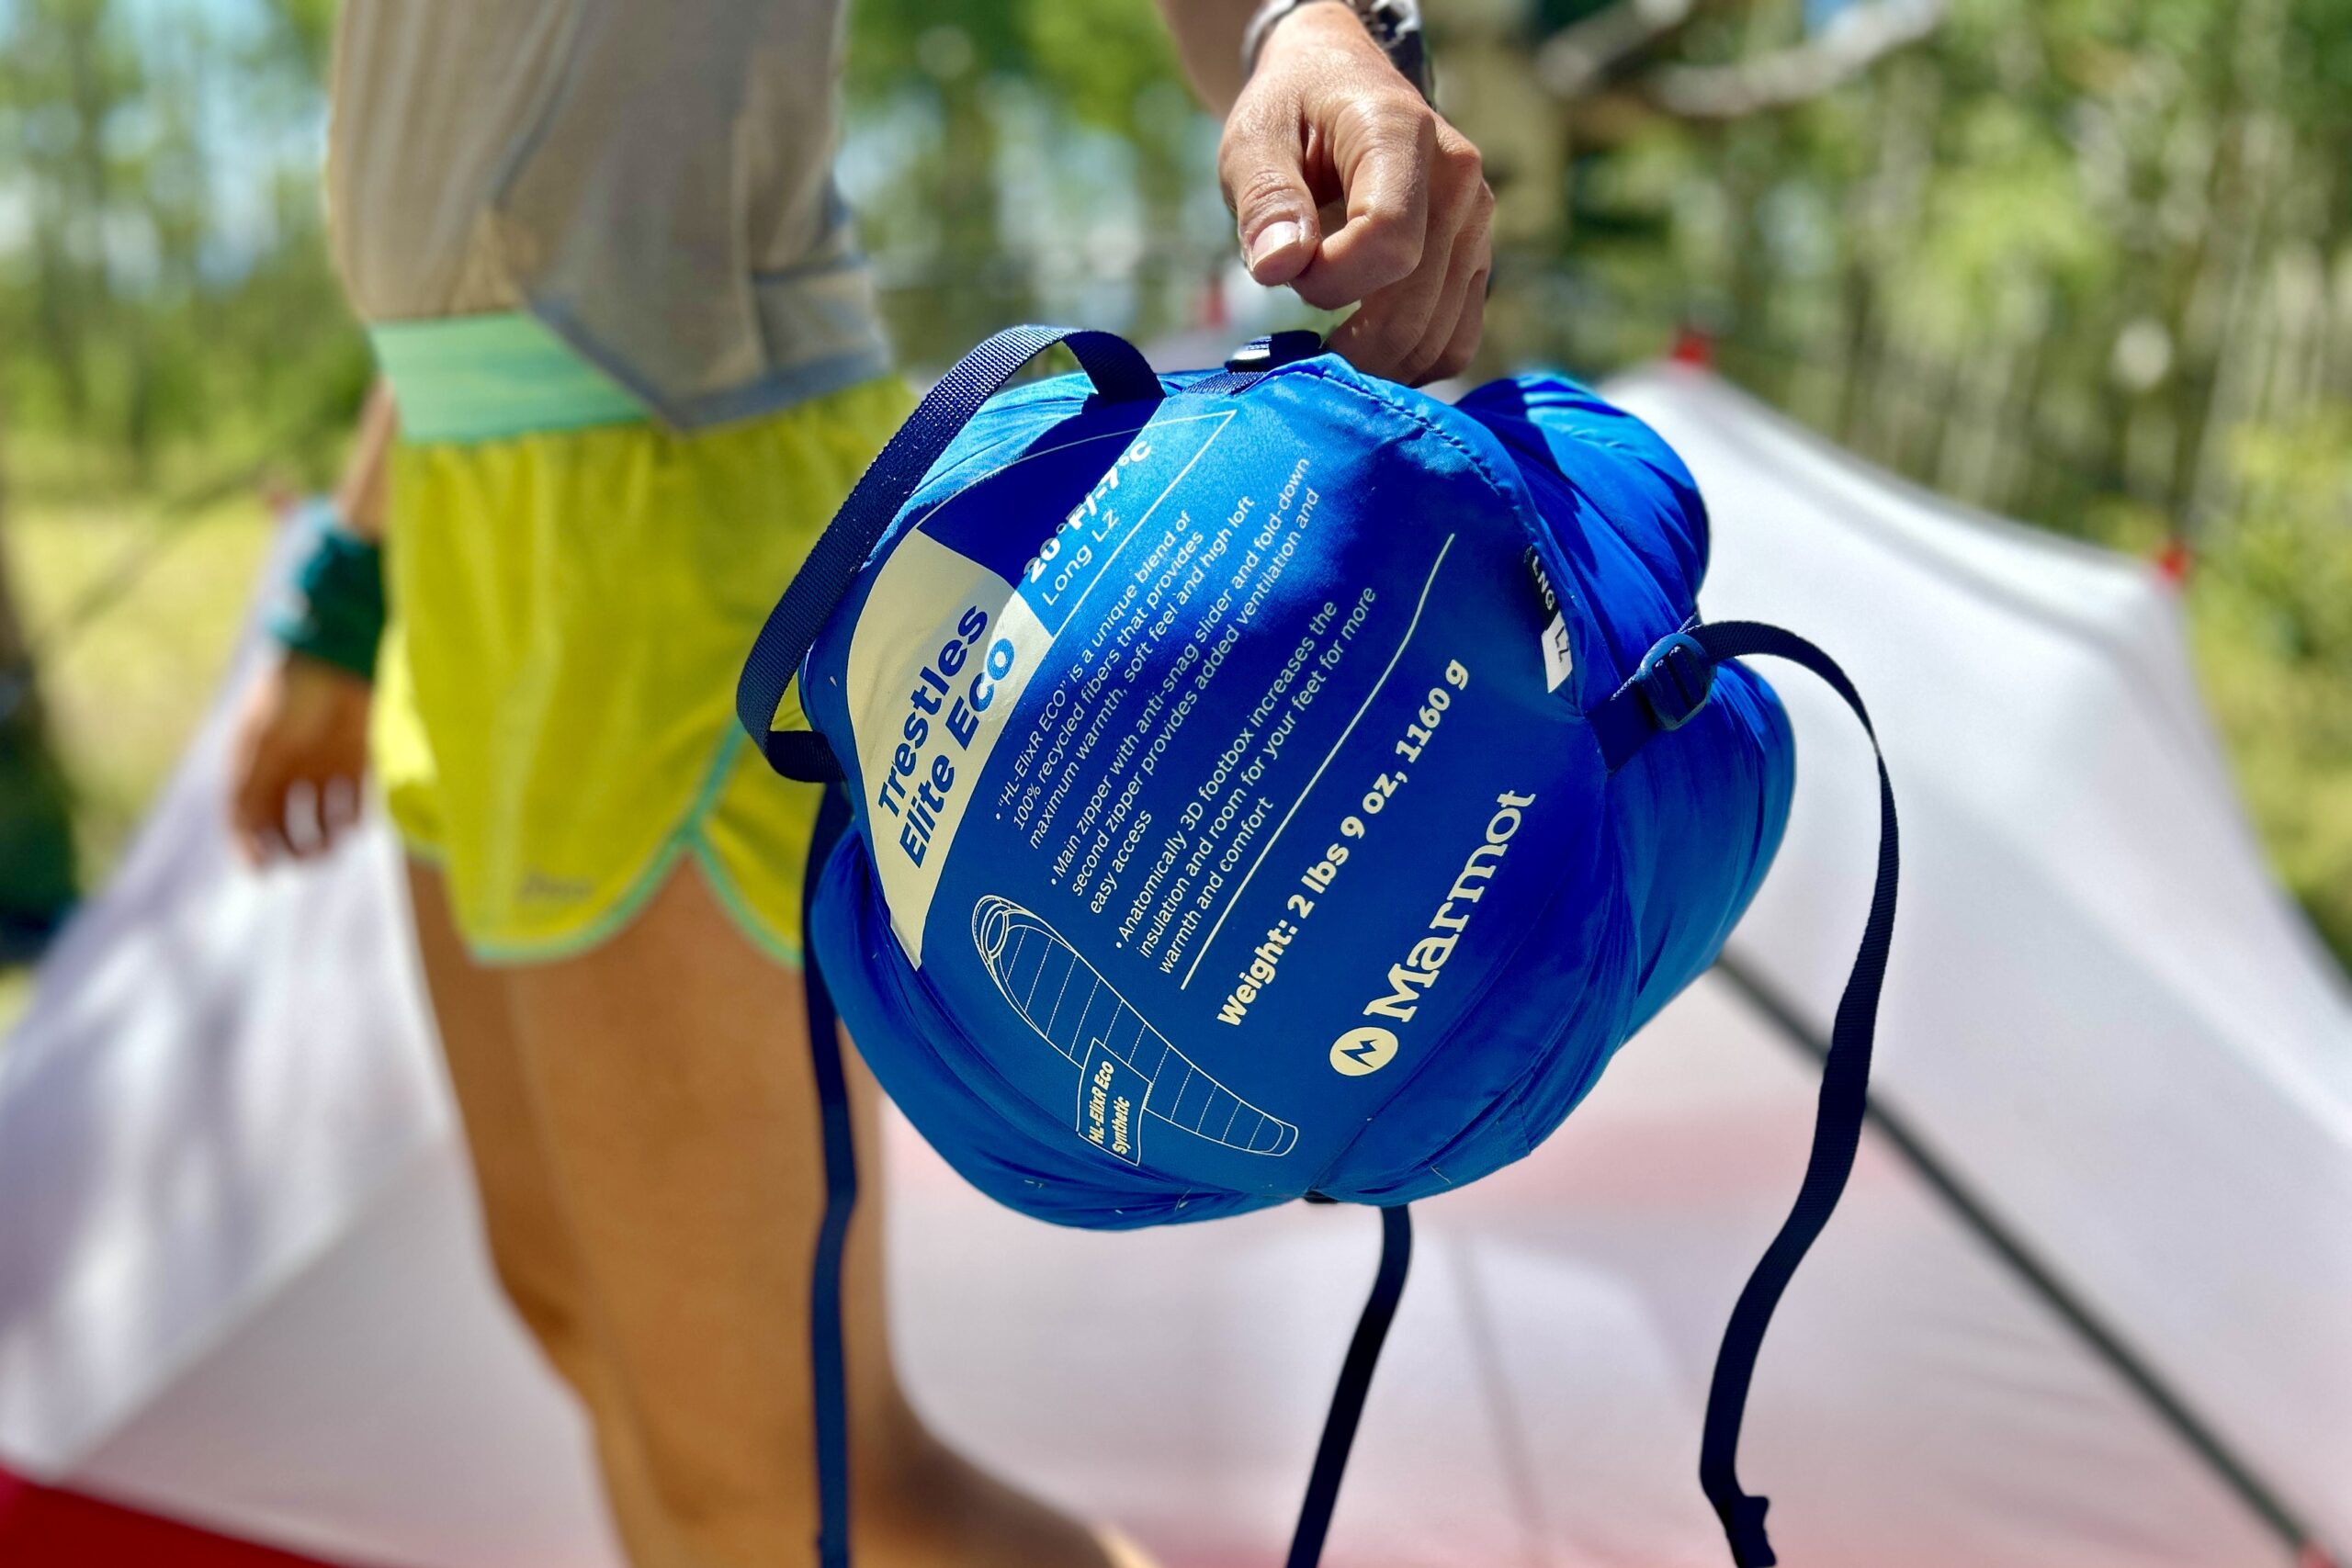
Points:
(2084, 1306)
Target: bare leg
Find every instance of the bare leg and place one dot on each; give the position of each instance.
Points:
(655, 1228)
(531, 1244)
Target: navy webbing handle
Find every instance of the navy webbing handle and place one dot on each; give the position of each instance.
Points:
(1355, 1383)
(1120, 373)
(1671, 684)
(828, 1377)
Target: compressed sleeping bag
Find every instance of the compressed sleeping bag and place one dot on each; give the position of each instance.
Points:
(1272, 784)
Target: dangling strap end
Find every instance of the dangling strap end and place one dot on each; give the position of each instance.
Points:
(1743, 1521)
(828, 1360)
(1837, 1121)
(1355, 1386)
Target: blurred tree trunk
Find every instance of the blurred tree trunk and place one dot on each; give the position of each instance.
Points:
(37, 872)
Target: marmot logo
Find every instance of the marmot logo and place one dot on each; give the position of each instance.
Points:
(1365, 1050)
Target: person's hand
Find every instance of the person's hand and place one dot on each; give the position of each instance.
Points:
(302, 748)
(1349, 188)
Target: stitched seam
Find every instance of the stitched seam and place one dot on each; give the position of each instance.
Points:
(636, 892)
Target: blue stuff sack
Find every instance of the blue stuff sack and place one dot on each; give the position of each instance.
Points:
(1276, 783)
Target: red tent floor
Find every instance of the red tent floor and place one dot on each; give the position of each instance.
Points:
(41, 1527)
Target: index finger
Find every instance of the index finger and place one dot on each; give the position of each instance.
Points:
(1382, 152)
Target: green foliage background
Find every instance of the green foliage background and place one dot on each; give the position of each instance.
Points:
(2083, 261)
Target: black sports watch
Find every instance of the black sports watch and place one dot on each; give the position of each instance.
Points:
(1395, 25)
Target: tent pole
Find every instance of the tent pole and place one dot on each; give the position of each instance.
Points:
(2103, 1341)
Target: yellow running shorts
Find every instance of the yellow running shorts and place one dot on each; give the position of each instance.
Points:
(554, 718)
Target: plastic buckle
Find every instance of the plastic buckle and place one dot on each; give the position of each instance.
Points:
(1675, 678)
(1263, 354)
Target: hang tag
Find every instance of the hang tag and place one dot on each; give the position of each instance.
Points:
(1559, 654)
(1559, 662)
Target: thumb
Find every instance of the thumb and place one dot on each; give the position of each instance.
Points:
(1272, 206)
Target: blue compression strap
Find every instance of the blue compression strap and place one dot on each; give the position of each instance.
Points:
(1120, 375)
(828, 1381)
(1355, 1383)
(1653, 702)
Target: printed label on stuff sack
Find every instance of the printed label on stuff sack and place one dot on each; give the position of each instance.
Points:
(1197, 785)
(951, 634)
(1126, 1068)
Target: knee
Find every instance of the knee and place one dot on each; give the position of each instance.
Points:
(547, 1306)
(543, 1311)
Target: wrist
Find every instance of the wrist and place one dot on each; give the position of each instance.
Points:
(1314, 24)
(1388, 30)
(302, 665)
(337, 611)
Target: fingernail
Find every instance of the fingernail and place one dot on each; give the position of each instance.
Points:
(1271, 241)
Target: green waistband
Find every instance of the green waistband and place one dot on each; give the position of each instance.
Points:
(482, 378)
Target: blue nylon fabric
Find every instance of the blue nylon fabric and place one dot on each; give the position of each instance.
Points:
(1612, 893)
(1637, 549)
(1168, 724)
